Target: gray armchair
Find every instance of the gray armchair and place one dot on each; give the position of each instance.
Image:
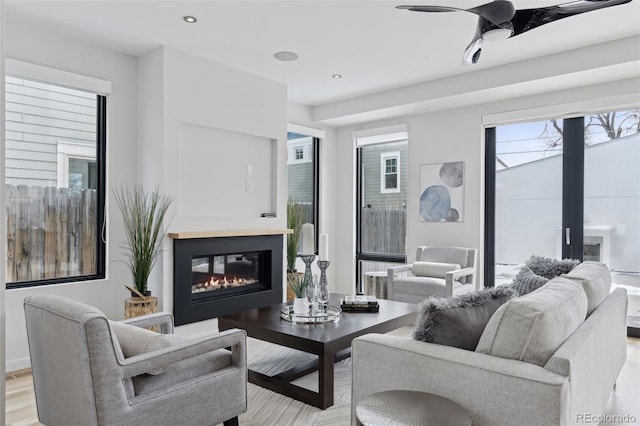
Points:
(438, 272)
(82, 376)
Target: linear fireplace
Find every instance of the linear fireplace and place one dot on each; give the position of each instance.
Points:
(223, 275)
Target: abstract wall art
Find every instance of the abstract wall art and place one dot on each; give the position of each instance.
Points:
(442, 192)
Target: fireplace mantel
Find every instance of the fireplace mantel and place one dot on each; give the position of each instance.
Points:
(227, 233)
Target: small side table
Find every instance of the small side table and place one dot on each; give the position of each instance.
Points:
(375, 284)
(402, 407)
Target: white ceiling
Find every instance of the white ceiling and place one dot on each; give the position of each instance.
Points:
(374, 46)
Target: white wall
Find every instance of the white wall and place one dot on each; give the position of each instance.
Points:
(3, 247)
(202, 108)
(440, 136)
(31, 44)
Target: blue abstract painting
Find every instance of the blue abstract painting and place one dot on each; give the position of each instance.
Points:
(442, 192)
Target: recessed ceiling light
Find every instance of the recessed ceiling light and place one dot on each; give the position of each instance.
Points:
(286, 56)
(190, 19)
(336, 76)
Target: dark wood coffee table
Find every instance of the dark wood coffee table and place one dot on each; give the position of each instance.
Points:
(331, 342)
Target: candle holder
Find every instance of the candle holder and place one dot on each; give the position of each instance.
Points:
(308, 278)
(323, 285)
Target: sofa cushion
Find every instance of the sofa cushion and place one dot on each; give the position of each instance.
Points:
(596, 282)
(526, 281)
(549, 267)
(416, 289)
(433, 269)
(530, 328)
(459, 321)
(135, 341)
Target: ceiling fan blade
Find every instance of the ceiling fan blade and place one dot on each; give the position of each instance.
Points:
(431, 8)
(528, 19)
(497, 12)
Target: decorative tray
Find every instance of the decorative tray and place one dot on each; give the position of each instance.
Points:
(329, 314)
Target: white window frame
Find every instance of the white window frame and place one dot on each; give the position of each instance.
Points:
(383, 171)
(68, 150)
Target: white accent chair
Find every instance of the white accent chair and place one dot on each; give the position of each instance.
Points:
(453, 271)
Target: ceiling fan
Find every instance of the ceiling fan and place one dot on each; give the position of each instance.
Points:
(500, 20)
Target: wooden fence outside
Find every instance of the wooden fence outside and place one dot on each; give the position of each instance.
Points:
(51, 232)
(383, 231)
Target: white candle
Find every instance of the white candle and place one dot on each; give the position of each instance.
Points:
(323, 247)
(308, 246)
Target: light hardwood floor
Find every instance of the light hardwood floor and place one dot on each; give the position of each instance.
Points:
(624, 403)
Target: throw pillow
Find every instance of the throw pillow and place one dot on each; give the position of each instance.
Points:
(433, 269)
(596, 282)
(135, 341)
(548, 267)
(459, 321)
(532, 327)
(526, 281)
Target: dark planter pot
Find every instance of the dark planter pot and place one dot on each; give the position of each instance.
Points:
(146, 293)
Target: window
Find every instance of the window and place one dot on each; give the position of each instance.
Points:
(55, 178)
(299, 149)
(575, 183)
(82, 173)
(382, 204)
(76, 165)
(390, 172)
(303, 176)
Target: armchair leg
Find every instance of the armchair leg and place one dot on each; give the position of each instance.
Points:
(231, 422)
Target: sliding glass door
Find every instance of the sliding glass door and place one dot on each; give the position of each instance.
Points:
(612, 201)
(565, 188)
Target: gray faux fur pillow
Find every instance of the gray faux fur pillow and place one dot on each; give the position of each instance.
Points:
(548, 267)
(526, 281)
(460, 320)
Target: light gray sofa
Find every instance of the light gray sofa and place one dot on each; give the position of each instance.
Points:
(85, 372)
(575, 378)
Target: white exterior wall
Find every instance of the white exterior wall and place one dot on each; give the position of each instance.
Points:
(40, 120)
(31, 44)
(528, 210)
(529, 204)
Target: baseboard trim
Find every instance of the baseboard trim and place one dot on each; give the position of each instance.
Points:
(17, 365)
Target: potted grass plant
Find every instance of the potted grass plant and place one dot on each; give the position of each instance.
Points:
(298, 285)
(294, 222)
(143, 217)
